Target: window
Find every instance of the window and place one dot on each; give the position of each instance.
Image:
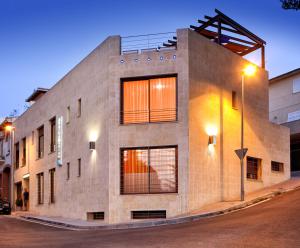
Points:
(79, 108)
(149, 100)
(149, 170)
(277, 166)
(68, 114)
(24, 151)
(32, 138)
(53, 135)
(79, 167)
(296, 85)
(40, 188)
(17, 155)
(253, 168)
(234, 100)
(293, 116)
(68, 171)
(52, 185)
(41, 142)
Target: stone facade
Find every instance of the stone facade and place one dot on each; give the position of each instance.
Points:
(206, 76)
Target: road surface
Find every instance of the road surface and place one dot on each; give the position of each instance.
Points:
(275, 223)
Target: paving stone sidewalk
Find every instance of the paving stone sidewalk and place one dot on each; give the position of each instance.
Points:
(207, 211)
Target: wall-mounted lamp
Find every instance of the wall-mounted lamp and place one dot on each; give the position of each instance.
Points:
(212, 140)
(92, 145)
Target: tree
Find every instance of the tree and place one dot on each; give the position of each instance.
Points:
(290, 4)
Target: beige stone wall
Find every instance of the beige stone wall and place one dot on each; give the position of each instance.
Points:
(88, 193)
(283, 100)
(214, 175)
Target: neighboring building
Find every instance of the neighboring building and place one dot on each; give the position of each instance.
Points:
(5, 159)
(124, 135)
(285, 109)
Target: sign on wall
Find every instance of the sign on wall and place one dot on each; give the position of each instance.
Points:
(59, 140)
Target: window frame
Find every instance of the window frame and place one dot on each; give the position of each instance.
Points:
(24, 151)
(17, 155)
(40, 188)
(280, 166)
(148, 148)
(149, 77)
(52, 186)
(259, 168)
(53, 135)
(40, 152)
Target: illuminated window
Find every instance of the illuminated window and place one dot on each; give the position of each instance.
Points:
(149, 100)
(149, 170)
(253, 168)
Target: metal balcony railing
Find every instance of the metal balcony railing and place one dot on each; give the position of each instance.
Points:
(148, 42)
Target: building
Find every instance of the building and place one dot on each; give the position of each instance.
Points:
(285, 109)
(5, 159)
(130, 134)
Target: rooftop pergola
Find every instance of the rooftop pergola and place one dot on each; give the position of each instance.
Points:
(229, 34)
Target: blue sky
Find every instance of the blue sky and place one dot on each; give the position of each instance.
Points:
(42, 40)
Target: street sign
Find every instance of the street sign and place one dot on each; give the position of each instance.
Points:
(241, 153)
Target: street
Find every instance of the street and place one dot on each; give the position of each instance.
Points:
(275, 223)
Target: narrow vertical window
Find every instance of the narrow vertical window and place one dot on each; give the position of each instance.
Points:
(234, 100)
(32, 138)
(41, 142)
(79, 108)
(52, 185)
(68, 171)
(79, 167)
(24, 151)
(53, 135)
(68, 114)
(40, 188)
(17, 155)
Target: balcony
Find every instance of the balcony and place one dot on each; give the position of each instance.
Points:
(148, 43)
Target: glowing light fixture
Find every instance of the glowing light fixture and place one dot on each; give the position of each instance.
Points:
(250, 70)
(212, 140)
(9, 128)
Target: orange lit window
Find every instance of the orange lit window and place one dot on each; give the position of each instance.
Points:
(151, 100)
(149, 170)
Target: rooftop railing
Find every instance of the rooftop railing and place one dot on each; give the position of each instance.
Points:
(148, 42)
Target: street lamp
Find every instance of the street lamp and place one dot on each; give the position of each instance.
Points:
(248, 71)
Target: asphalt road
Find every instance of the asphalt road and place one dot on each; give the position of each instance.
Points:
(275, 223)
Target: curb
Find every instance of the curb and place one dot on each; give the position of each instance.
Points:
(177, 220)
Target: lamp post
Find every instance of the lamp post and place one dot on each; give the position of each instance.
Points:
(249, 70)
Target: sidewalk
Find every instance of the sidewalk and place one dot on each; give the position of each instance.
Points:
(207, 211)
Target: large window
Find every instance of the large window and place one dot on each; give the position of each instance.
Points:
(40, 188)
(149, 170)
(52, 185)
(53, 135)
(253, 168)
(149, 100)
(41, 142)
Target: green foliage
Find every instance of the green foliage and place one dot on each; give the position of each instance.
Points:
(19, 203)
(291, 4)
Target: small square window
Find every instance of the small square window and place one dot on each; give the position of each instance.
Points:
(277, 166)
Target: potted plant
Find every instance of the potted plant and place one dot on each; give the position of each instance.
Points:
(19, 204)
